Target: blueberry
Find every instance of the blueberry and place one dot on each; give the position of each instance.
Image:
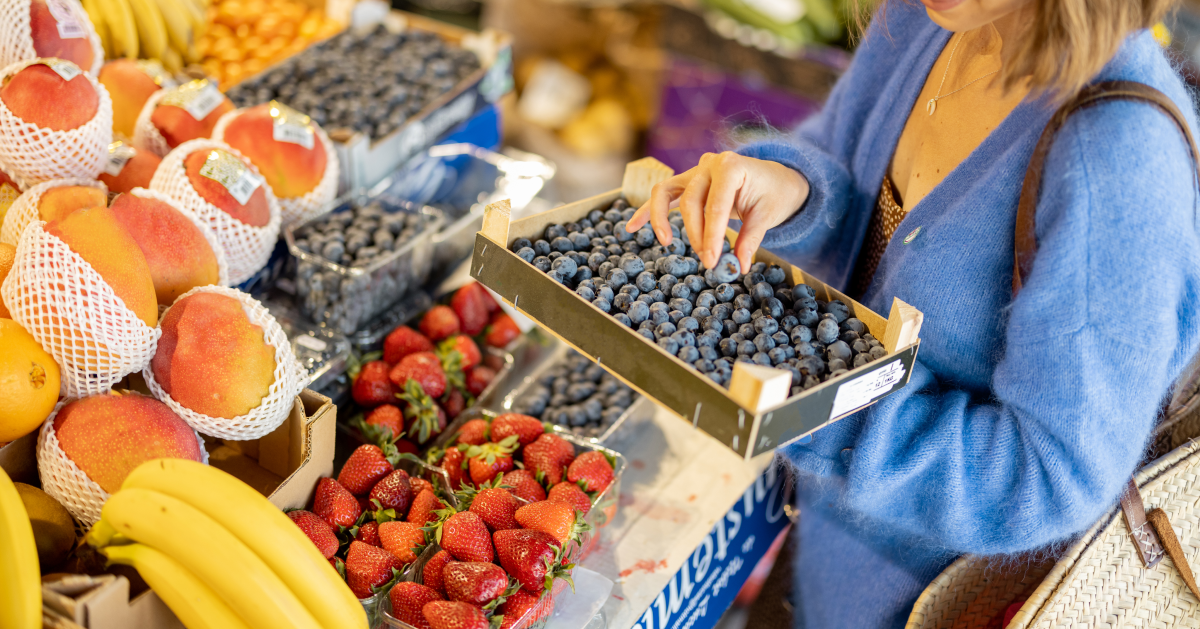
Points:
(861, 347)
(684, 338)
(566, 266)
(612, 215)
(682, 305)
(707, 352)
(645, 236)
(701, 313)
(669, 344)
(774, 275)
(761, 292)
(557, 276)
(728, 347)
(658, 296)
(596, 259)
(666, 282)
(631, 290)
(835, 366)
(696, 283)
(746, 348)
(839, 310)
(645, 299)
(780, 338)
(728, 268)
(542, 263)
(854, 325)
(724, 293)
(520, 244)
(743, 301)
(849, 336)
(756, 315)
(584, 273)
(624, 319)
(702, 364)
(710, 279)
(706, 299)
(616, 278)
(676, 315)
(801, 334)
(632, 266)
(681, 291)
(555, 231)
(638, 312)
(773, 307)
(827, 331)
(689, 323)
(811, 366)
(644, 281)
(602, 304)
(803, 290)
(878, 352)
(777, 355)
(766, 325)
(579, 240)
(808, 317)
(753, 278)
(648, 334)
(708, 339)
(604, 228)
(676, 266)
(805, 349)
(554, 255)
(605, 292)
(730, 326)
(631, 247)
(580, 391)
(622, 301)
(659, 313)
(761, 358)
(764, 343)
(688, 354)
(526, 253)
(620, 233)
(740, 316)
(615, 250)
(861, 360)
(585, 292)
(562, 244)
(784, 295)
(722, 311)
(665, 329)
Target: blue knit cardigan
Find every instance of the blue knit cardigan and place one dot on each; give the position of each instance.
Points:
(1023, 418)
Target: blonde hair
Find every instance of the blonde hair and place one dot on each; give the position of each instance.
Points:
(1067, 41)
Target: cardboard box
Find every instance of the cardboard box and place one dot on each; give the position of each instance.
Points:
(756, 414)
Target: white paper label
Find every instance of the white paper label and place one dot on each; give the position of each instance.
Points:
(68, 24)
(293, 133)
(65, 69)
(119, 154)
(206, 101)
(232, 173)
(311, 342)
(861, 391)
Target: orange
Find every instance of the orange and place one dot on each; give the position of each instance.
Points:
(8, 254)
(28, 382)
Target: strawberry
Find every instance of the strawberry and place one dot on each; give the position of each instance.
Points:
(489, 460)
(404, 341)
(548, 458)
(419, 484)
(474, 432)
(439, 323)
(524, 485)
(389, 422)
(526, 428)
(423, 507)
(496, 506)
(471, 309)
(452, 462)
(425, 369)
(555, 518)
(478, 378)
(368, 567)
(522, 603)
(408, 599)
(465, 536)
(402, 539)
(431, 574)
(489, 302)
(454, 615)
(372, 386)
(502, 331)
(404, 445)
(571, 494)
(474, 582)
(365, 467)
(425, 418)
(466, 348)
(592, 471)
(394, 492)
(528, 555)
(368, 533)
(453, 403)
(317, 530)
(335, 504)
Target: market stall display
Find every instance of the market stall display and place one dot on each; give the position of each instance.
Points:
(243, 38)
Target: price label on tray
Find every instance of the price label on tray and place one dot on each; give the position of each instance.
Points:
(231, 172)
(291, 126)
(863, 390)
(199, 98)
(65, 19)
(65, 69)
(119, 154)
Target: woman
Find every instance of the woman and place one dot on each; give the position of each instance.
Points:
(1023, 417)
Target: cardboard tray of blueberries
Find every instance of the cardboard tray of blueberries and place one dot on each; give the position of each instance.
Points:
(756, 360)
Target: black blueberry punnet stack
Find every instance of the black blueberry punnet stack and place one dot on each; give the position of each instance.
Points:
(709, 318)
(579, 395)
(370, 82)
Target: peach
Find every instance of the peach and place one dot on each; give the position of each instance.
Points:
(57, 203)
(109, 435)
(179, 256)
(290, 168)
(57, 30)
(38, 95)
(211, 358)
(130, 84)
(256, 212)
(96, 235)
(176, 124)
(136, 173)
(8, 255)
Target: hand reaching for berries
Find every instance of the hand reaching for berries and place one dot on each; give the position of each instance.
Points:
(760, 193)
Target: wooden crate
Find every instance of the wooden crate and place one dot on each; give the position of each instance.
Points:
(756, 414)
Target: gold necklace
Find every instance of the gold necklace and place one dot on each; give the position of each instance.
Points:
(932, 104)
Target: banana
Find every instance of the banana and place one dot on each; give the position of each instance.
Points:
(262, 527)
(172, 61)
(96, 15)
(121, 29)
(196, 605)
(194, 13)
(20, 577)
(152, 32)
(179, 27)
(210, 552)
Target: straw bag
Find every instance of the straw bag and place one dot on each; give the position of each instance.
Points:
(1114, 575)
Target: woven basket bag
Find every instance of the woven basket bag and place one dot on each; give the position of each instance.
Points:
(1115, 574)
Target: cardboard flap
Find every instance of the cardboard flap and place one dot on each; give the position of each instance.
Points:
(903, 326)
(496, 217)
(641, 176)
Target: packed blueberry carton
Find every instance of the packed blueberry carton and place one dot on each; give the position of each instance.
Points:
(708, 318)
(370, 82)
(578, 395)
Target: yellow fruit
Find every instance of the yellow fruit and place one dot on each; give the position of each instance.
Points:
(28, 382)
(53, 528)
(8, 254)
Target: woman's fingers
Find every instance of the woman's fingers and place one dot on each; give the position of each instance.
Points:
(727, 179)
(691, 205)
(754, 229)
(656, 208)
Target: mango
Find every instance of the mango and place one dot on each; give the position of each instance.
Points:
(256, 212)
(291, 169)
(48, 41)
(177, 125)
(179, 256)
(38, 95)
(136, 173)
(56, 203)
(130, 86)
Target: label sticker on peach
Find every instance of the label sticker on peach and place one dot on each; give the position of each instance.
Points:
(291, 126)
(65, 69)
(68, 24)
(199, 98)
(119, 154)
(229, 171)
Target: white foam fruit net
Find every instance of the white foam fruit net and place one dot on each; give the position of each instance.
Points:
(66, 483)
(33, 154)
(146, 136)
(290, 379)
(296, 210)
(24, 210)
(16, 39)
(247, 248)
(75, 315)
(209, 236)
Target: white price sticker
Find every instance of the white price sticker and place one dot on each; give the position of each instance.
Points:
(65, 69)
(311, 342)
(245, 186)
(231, 172)
(65, 19)
(292, 133)
(864, 389)
(119, 154)
(204, 102)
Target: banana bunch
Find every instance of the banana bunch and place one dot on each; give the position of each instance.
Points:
(219, 554)
(165, 30)
(20, 577)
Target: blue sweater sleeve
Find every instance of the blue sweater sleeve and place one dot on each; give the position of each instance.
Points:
(1104, 324)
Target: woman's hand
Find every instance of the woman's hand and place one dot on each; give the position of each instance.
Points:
(761, 194)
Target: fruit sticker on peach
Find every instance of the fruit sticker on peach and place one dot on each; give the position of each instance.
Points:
(119, 154)
(199, 98)
(65, 69)
(291, 126)
(229, 171)
(65, 19)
